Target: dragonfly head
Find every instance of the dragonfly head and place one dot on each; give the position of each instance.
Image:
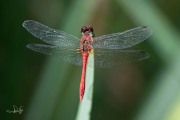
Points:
(87, 29)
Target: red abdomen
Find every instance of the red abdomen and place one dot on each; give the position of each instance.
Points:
(83, 75)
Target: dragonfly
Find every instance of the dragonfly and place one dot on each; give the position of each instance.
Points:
(108, 50)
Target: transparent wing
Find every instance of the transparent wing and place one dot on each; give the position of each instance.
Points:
(103, 58)
(108, 58)
(69, 55)
(51, 36)
(122, 40)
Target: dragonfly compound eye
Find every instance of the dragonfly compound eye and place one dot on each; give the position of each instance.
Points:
(86, 28)
(89, 28)
(83, 29)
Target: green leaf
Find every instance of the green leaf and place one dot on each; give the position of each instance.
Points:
(86, 104)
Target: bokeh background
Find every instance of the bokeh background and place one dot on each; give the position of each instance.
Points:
(48, 88)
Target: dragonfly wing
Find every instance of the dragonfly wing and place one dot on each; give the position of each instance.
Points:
(124, 39)
(69, 55)
(51, 36)
(108, 58)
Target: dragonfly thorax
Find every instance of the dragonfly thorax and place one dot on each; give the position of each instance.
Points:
(86, 43)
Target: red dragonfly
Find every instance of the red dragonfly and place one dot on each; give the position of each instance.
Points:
(107, 49)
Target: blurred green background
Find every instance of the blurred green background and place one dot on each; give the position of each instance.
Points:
(48, 88)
